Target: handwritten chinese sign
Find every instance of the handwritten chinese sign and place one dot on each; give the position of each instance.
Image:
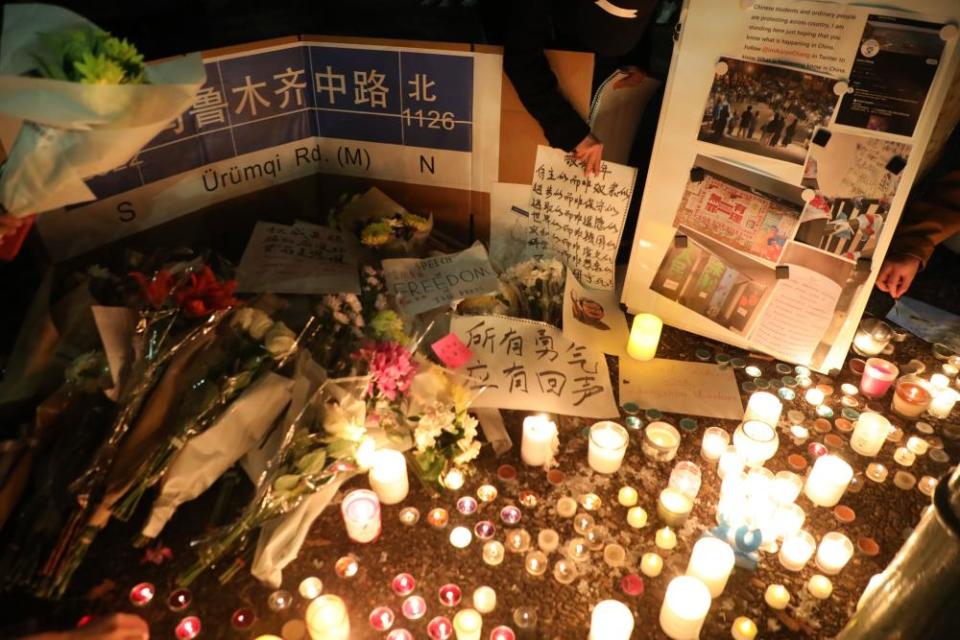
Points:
(529, 365)
(421, 285)
(579, 218)
(299, 258)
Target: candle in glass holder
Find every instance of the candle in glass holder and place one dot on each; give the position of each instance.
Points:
(685, 478)
(493, 552)
(796, 550)
(535, 563)
(651, 564)
(776, 596)
(715, 441)
(876, 472)
(787, 519)
(911, 396)
(872, 337)
(869, 434)
(327, 618)
(834, 552)
(361, 515)
(539, 443)
(660, 442)
(711, 561)
(918, 445)
(685, 606)
(743, 629)
(731, 463)
(467, 624)
(644, 336)
(786, 486)
(878, 375)
(942, 403)
(565, 571)
(765, 407)
(388, 476)
(611, 620)
(756, 442)
(674, 507)
(484, 599)
(828, 480)
(904, 457)
(608, 444)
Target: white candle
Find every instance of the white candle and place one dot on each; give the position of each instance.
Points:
(834, 552)
(787, 519)
(786, 487)
(814, 396)
(820, 586)
(327, 619)
(942, 403)
(484, 599)
(828, 480)
(776, 596)
(712, 561)
(756, 442)
(627, 496)
(361, 515)
(539, 443)
(651, 564)
(731, 463)
(388, 476)
(674, 507)
(765, 407)
(660, 441)
(467, 624)
(715, 441)
(743, 629)
(939, 381)
(796, 550)
(608, 444)
(644, 336)
(611, 620)
(460, 537)
(685, 607)
(869, 434)
(665, 538)
(686, 478)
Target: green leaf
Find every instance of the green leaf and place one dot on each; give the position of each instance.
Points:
(313, 462)
(286, 483)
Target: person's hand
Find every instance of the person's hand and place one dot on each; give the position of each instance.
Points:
(117, 626)
(633, 78)
(589, 152)
(897, 274)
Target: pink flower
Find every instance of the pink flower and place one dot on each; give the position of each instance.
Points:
(390, 366)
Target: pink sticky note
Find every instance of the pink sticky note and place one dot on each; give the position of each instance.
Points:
(451, 351)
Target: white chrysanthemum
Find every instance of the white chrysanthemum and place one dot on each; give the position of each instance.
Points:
(469, 451)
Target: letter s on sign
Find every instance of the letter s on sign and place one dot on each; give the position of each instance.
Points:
(126, 211)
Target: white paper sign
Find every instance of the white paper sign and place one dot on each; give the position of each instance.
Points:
(579, 218)
(675, 386)
(301, 258)
(594, 317)
(421, 285)
(529, 365)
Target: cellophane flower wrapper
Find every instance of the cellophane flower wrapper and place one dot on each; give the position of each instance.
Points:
(72, 131)
(384, 228)
(534, 290)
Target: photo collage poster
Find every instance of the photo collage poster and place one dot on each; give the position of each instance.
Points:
(812, 119)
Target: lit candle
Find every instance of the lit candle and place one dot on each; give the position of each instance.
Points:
(796, 550)
(310, 588)
(685, 478)
(142, 594)
(872, 337)
(942, 403)
(535, 563)
(715, 441)
(765, 407)
(361, 515)
(731, 463)
(878, 375)
(651, 564)
(460, 537)
(637, 517)
(627, 496)
(911, 396)
(756, 442)
(188, 628)
(799, 433)
(828, 480)
(904, 457)
(950, 369)
(502, 633)
(611, 620)
(786, 486)
(660, 442)
(608, 444)
(674, 507)
(876, 472)
(787, 519)
(644, 336)
(388, 476)
(834, 552)
(776, 596)
(665, 538)
(814, 397)
(467, 624)
(577, 549)
(743, 629)
(869, 434)
(539, 443)
(939, 381)
(548, 540)
(565, 571)
(917, 445)
(684, 608)
(820, 586)
(484, 599)
(711, 561)
(452, 479)
(327, 619)
(493, 552)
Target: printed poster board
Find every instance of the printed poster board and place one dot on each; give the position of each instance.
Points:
(790, 135)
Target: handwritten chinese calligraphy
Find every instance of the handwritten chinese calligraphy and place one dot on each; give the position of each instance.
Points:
(579, 218)
(526, 365)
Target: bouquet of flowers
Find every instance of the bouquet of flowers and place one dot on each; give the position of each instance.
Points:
(383, 225)
(534, 290)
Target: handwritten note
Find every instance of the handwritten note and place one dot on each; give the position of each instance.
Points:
(579, 218)
(594, 317)
(530, 365)
(451, 351)
(675, 386)
(421, 285)
(299, 258)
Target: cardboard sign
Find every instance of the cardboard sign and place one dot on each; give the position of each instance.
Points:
(530, 365)
(675, 386)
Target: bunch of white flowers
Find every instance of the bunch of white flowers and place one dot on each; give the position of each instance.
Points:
(277, 338)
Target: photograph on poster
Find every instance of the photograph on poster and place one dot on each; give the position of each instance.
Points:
(748, 211)
(892, 73)
(766, 109)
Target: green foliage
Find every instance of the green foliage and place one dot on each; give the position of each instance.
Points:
(89, 56)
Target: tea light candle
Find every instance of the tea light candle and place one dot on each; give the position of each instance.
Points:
(327, 618)
(904, 457)
(796, 550)
(674, 507)
(814, 397)
(637, 517)
(942, 403)
(566, 507)
(765, 407)
(872, 337)
(535, 563)
(467, 624)
(777, 597)
(651, 564)
(756, 442)
(711, 561)
(548, 540)
(951, 368)
(565, 571)
(660, 442)
(685, 478)
(939, 381)
(361, 515)
(911, 396)
(310, 588)
(452, 479)
(540, 442)
(799, 433)
(820, 586)
(715, 441)
(188, 628)
(438, 517)
(834, 552)
(460, 537)
(731, 463)
(608, 444)
(627, 496)
(388, 476)
(493, 552)
(484, 599)
(142, 594)
(685, 606)
(518, 541)
(665, 539)
(786, 487)
(611, 620)
(501, 633)
(878, 375)
(614, 555)
(644, 336)
(876, 472)
(743, 629)
(869, 434)
(577, 549)
(828, 480)
(917, 445)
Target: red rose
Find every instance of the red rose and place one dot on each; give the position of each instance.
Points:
(205, 294)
